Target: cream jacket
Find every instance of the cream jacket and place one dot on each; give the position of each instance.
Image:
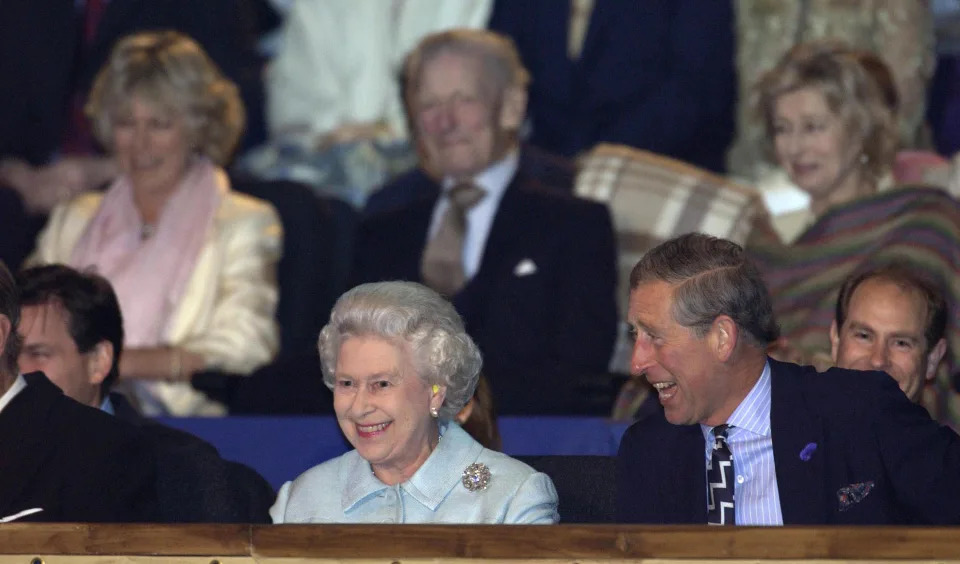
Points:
(226, 313)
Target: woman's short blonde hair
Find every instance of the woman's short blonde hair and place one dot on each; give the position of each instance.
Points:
(850, 81)
(420, 322)
(170, 70)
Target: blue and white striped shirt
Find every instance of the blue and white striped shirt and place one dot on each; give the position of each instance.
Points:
(756, 497)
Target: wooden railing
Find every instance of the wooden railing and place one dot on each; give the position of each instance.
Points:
(403, 544)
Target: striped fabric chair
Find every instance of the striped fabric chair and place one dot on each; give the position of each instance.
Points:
(653, 198)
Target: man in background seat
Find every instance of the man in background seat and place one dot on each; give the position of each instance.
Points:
(891, 319)
(531, 270)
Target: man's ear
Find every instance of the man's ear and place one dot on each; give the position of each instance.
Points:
(934, 357)
(99, 362)
(724, 335)
(513, 108)
(834, 340)
(6, 332)
(6, 328)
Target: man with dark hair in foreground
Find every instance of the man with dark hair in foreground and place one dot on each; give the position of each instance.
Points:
(73, 332)
(59, 460)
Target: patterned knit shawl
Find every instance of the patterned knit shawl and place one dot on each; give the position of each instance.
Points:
(919, 225)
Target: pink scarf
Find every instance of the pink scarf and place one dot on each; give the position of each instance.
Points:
(150, 275)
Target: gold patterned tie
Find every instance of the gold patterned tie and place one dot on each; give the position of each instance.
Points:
(442, 265)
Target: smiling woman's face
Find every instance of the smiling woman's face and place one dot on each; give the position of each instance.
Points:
(150, 145)
(383, 407)
(812, 144)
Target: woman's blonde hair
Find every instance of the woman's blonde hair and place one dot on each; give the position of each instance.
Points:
(857, 86)
(170, 70)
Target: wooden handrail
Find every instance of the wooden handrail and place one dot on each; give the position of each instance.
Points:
(446, 542)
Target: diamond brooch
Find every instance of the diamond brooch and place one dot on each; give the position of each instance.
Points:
(476, 477)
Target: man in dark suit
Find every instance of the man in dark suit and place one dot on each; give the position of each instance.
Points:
(72, 331)
(532, 270)
(59, 460)
(746, 440)
(657, 74)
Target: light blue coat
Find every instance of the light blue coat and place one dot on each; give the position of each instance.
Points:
(344, 490)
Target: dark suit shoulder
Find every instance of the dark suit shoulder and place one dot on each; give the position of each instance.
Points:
(86, 453)
(859, 391)
(69, 416)
(548, 170)
(161, 435)
(650, 430)
(411, 186)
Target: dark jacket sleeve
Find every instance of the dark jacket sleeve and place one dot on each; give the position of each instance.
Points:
(921, 458)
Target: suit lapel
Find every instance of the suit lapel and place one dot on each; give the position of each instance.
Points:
(798, 449)
(690, 497)
(512, 222)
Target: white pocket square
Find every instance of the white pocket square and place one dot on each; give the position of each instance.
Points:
(23, 513)
(526, 267)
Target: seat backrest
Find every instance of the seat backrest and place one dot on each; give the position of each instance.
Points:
(586, 485)
(317, 249)
(653, 198)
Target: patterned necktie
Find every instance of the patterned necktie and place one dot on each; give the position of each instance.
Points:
(442, 265)
(720, 480)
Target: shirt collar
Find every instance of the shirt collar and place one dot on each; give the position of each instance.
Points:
(107, 406)
(429, 485)
(18, 385)
(753, 413)
(495, 178)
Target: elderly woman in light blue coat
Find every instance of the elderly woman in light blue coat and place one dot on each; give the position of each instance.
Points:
(401, 366)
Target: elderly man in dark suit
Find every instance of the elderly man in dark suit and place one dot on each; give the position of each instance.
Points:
(60, 460)
(530, 268)
(746, 440)
(72, 331)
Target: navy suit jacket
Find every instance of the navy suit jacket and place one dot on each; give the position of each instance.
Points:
(864, 429)
(75, 462)
(653, 74)
(194, 484)
(538, 333)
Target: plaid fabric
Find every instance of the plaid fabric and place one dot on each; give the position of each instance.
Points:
(653, 198)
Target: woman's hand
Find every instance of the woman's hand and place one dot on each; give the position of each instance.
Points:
(170, 364)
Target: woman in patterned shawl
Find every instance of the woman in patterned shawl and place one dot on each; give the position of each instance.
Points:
(830, 125)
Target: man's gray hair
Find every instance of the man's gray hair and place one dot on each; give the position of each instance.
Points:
(497, 54)
(419, 321)
(711, 277)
